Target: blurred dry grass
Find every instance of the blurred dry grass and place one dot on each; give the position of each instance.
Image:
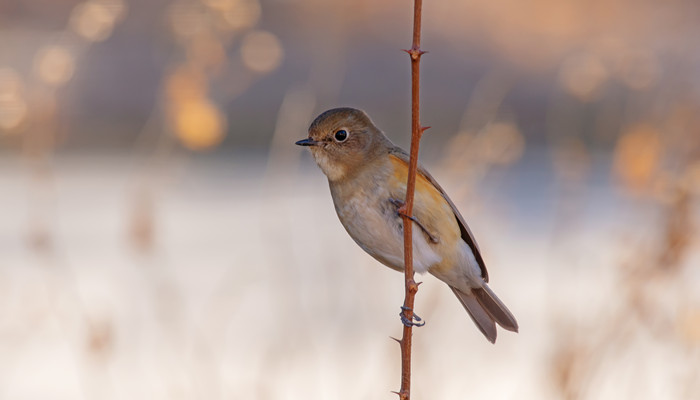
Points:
(157, 253)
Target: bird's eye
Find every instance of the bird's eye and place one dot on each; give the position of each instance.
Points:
(341, 135)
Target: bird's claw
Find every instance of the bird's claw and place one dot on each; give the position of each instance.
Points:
(409, 322)
(399, 205)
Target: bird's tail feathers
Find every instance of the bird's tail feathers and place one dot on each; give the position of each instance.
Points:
(481, 318)
(486, 310)
(495, 308)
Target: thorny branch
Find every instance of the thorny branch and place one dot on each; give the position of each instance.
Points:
(407, 209)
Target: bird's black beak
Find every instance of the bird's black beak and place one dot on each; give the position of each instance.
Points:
(306, 142)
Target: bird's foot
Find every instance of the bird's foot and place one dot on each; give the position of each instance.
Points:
(398, 204)
(409, 322)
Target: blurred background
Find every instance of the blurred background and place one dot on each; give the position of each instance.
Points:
(162, 238)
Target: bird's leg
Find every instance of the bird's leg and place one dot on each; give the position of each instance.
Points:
(419, 321)
(399, 204)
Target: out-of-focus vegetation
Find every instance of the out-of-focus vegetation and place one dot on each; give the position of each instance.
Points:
(160, 236)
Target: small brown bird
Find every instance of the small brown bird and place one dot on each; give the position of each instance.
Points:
(367, 175)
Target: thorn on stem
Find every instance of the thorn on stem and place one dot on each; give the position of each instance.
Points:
(413, 286)
(397, 340)
(414, 52)
(422, 130)
(402, 395)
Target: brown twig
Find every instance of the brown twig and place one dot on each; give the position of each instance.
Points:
(407, 210)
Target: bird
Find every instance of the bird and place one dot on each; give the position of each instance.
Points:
(367, 175)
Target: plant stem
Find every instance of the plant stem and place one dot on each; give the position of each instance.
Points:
(416, 131)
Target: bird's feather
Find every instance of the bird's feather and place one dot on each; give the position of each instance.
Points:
(478, 314)
(495, 308)
(465, 232)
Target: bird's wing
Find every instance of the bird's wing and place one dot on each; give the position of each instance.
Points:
(466, 233)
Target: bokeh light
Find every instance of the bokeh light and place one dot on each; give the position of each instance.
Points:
(637, 156)
(54, 65)
(196, 120)
(13, 107)
(583, 75)
(261, 51)
(241, 14)
(199, 124)
(95, 20)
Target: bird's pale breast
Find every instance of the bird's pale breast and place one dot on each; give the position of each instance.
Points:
(364, 207)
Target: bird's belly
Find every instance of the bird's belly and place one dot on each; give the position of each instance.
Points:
(376, 227)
